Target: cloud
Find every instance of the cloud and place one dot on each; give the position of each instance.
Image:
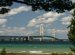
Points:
(14, 31)
(50, 15)
(3, 21)
(66, 23)
(32, 23)
(50, 20)
(62, 31)
(3, 26)
(46, 18)
(19, 10)
(1, 32)
(13, 11)
(66, 20)
(16, 11)
(58, 30)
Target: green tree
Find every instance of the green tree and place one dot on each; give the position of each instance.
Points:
(71, 33)
(47, 5)
(3, 52)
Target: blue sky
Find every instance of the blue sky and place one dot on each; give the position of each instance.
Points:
(22, 21)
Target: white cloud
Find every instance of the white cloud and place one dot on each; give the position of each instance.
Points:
(19, 10)
(13, 12)
(3, 26)
(14, 31)
(50, 20)
(32, 23)
(71, 11)
(46, 18)
(50, 15)
(16, 11)
(62, 31)
(3, 21)
(1, 32)
(66, 20)
(66, 23)
(57, 30)
(8, 27)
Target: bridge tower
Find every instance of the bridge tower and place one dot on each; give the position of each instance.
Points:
(42, 28)
(54, 32)
(41, 31)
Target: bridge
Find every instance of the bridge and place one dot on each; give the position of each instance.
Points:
(40, 37)
(36, 4)
(26, 38)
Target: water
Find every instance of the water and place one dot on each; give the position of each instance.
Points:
(58, 47)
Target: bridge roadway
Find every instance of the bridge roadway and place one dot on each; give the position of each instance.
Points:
(23, 38)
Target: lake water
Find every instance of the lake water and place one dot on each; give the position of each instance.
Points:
(50, 47)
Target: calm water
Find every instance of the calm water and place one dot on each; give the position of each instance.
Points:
(62, 47)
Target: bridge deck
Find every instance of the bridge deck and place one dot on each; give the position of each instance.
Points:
(27, 38)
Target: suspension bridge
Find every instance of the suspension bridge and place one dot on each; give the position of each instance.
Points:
(36, 4)
(41, 37)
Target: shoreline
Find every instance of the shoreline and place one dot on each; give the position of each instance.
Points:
(65, 53)
(5, 52)
(39, 53)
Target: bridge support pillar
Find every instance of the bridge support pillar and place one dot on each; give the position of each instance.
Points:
(2, 40)
(10, 40)
(14, 39)
(27, 38)
(41, 39)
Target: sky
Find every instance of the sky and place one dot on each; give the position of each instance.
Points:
(22, 21)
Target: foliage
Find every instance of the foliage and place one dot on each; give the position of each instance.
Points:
(5, 2)
(54, 54)
(72, 49)
(71, 33)
(4, 10)
(47, 5)
(3, 52)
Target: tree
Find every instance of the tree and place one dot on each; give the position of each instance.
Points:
(48, 5)
(71, 33)
(3, 52)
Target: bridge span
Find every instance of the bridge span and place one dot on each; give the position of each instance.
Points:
(26, 38)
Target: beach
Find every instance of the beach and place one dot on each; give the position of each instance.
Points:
(39, 54)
